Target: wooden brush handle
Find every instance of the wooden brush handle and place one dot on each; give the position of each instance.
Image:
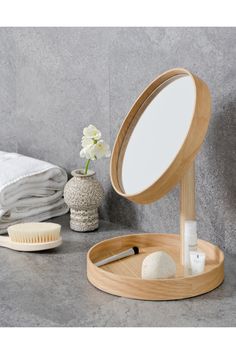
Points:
(28, 247)
(4, 241)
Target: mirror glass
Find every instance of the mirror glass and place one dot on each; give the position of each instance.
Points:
(161, 128)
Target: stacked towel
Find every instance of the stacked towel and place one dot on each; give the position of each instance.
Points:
(30, 190)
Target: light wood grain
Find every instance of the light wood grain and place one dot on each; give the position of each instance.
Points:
(187, 203)
(123, 278)
(186, 154)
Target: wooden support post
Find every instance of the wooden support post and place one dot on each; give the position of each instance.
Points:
(187, 203)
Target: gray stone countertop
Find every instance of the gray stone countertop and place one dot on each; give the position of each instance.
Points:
(51, 289)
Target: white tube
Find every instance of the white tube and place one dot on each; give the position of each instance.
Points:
(190, 241)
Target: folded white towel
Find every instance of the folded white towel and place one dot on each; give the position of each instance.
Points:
(30, 189)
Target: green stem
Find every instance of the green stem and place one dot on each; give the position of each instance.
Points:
(87, 166)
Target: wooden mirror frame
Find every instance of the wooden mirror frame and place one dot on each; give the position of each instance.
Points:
(124, 279)
(185, 156)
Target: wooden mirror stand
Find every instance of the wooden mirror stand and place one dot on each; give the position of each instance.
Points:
(123, 277)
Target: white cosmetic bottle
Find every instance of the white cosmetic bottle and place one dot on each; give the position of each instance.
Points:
(190, 241)
(197, 260)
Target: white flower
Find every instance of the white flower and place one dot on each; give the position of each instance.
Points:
(92, 132)
(99, 150)
(93, 147)
(86, 142)
(85, 153)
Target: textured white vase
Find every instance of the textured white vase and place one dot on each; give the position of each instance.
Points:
(83, 194)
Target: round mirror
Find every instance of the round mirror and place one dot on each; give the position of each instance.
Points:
(160, 136)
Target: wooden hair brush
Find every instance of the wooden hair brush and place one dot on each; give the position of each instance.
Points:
(30, 237)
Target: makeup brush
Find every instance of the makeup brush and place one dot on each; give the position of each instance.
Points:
(116, 257)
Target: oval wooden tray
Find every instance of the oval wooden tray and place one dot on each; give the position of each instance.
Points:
(123, 278)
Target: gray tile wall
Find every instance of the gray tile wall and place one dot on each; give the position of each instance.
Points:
(54, 81)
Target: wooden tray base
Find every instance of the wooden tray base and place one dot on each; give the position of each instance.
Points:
(123, 277)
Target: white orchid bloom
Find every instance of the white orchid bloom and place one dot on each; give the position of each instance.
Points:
(100, 149)
(86, 142)
(85, 153)
(92, 132)
(93, 147)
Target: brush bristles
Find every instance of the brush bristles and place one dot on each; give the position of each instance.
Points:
(37, 238)
(34, 232)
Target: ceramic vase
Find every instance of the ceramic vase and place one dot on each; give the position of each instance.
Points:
(83, 194)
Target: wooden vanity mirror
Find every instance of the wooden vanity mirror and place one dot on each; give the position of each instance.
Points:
(160, 136)
(155, 150)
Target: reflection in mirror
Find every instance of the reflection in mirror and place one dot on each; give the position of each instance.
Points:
(159, 133)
